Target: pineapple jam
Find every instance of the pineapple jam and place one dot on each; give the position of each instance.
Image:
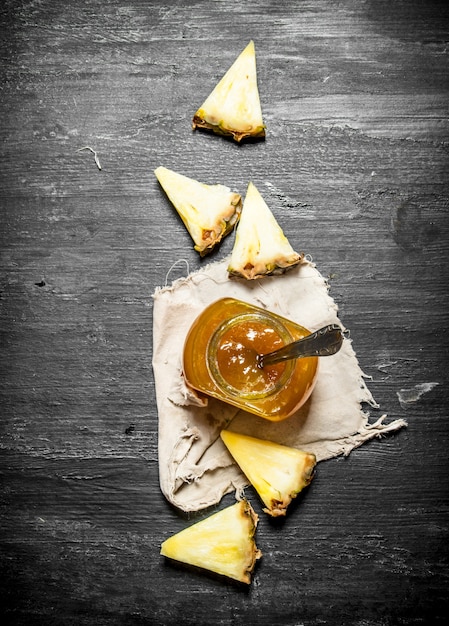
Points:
(220, 359)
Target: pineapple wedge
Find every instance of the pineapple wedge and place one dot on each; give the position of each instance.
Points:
(222, 543)
(278, 473)
(233, 107)
(260, 246)
(209, 212)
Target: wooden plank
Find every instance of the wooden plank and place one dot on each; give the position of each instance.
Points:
(354, 166)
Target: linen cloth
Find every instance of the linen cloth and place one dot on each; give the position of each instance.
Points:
(195, 469)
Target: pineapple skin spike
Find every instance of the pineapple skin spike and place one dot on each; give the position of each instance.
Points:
(223, 543)
(233, 107)
(277, 472)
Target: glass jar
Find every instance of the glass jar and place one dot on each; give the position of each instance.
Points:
(220, 359)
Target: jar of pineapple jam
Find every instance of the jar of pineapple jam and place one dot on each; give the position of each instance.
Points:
(220, 359)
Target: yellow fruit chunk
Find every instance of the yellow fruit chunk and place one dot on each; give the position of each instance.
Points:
(209, 212)
(233, 107)
(278, 473)
(222, 543)
(260, 247)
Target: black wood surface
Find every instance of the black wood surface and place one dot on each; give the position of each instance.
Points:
(355, 164)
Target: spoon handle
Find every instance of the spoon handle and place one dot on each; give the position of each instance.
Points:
(323, 342)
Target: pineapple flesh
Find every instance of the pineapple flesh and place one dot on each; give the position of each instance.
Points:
(260, 247)
(233, 107)
(209, 212)
(277, 472)
(222, 543)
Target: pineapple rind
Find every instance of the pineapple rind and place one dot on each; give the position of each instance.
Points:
(233, 107)
(209, 212)
(202, 119)
(277, 472)
(260, 246)
(222, 543)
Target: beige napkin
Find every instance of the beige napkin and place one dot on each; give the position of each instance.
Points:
(195, 469)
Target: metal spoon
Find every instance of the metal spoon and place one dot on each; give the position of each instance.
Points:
(323, 342)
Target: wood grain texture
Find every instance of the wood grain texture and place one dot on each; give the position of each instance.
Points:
(355, 168)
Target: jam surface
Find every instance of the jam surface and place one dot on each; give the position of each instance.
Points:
(220, 359)
(237, 351)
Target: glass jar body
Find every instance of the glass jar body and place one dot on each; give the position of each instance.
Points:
(219, 359)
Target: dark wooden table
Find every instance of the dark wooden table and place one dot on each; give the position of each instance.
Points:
(355, 166)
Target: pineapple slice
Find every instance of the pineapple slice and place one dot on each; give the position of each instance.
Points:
(209, 212)
(222, 543)
(260, 246)
(233, 108)
(278, 473)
